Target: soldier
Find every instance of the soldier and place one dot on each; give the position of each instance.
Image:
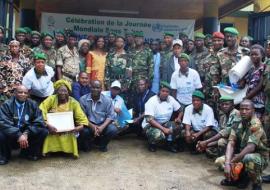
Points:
(184, 38)
(3, 46)
(208, 40)
(130, 44)
(229, 56)
(157, 123)
(200, 52)
(111, 42)
(116, 66)
(68, 62)
(60, 39)
(248, 145)
(167, 52)
(230, 119)
(35, 39)
(20, 36)
(47, 48)
(28, 36)
(140, 61)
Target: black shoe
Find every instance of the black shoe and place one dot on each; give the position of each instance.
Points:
(266, 179)
(171, 148)
(152, 148)
(3, 161)
(225, 182)
(103, 149)
(256, 187)
(243, 181)
(33, 158)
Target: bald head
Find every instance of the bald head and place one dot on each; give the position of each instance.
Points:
(21, 93)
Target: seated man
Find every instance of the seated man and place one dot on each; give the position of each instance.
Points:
(158, 112)
(230, 119)
(100, 113)
(21, 126)
(247, 145)
(120, 110)
(199, 122)
(82, 87)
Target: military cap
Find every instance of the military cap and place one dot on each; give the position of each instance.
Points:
(164, 84)
(226, 98)
(199, 35)
(28, 30)
(72, 34)
(182, 34)
(208, 36)
(231, 30)
(60, 32)
(218, 35)
(35, 33)
(112, 33)
(198, 94)
(20, 30)
(45, 34)
(184, 56)
(168, 34)
(138, 34)
(40, 56)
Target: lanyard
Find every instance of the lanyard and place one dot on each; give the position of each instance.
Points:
(142, 101)
(20, 113)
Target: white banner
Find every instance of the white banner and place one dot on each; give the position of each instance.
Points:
(101, 25)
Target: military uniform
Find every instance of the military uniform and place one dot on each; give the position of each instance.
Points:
(116, 69)
(3, 50)
(198, 58)
(256, 162)
(26, 51)
(50, 54)
(266, 84)
(141, 63)
(228, 60)
(69, 61)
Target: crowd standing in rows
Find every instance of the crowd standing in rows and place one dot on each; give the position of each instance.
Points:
(169, 84)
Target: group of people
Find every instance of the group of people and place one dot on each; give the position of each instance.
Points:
(169, 84)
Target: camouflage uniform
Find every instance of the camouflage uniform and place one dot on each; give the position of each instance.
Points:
(266, 84)
(12, 72)
(141, 63)
(228, 60)
(155, 135)
(3, 50)
(69, 61)
(165, 56)
(51, 55)
(256, 162)
(116, 69)
(198, 58)
(26, 51)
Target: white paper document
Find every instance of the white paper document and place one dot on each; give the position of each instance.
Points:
(62, 121)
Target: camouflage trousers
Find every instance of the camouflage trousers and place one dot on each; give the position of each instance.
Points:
(254, 164)
(266, 126)
(155, 135)
(219, 149)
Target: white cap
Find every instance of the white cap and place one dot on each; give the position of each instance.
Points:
(178, 41)
(116, 83)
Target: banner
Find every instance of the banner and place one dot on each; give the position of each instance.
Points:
(101, 25)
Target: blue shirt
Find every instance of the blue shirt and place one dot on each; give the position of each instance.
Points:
(155, 83)
(79, 90)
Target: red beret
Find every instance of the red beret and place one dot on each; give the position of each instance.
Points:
(218, 35)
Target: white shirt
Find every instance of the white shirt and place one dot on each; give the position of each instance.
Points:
(176, 64)
(200, 121)
(40, 87)
(160, 110)
(185, 85)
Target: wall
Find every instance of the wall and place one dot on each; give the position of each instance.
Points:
(240, 23)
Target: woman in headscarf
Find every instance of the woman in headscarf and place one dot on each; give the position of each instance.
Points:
(62, 102)
(84, 46)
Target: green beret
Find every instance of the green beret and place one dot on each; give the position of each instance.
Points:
(28, 30)
(199, 35)
(72, 34)
(112, 33)
(45, 34)
(35, 33)
(168, 34)
(208, 36)
(138, 34)
(164, 84)
(226, 98)
(198, 94)
(20, 30)
(184, 56)
(60, 32)
(40, 55)
(182, 34)
(231, 30)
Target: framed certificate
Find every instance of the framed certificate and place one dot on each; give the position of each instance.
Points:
(62, 121)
